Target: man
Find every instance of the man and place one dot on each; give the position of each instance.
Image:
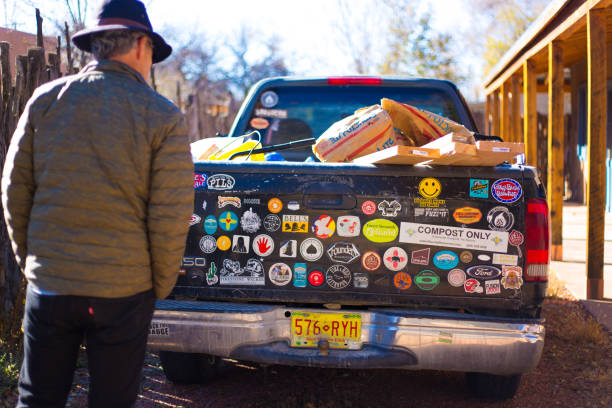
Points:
(97, 191)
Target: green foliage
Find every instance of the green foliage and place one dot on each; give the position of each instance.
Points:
(505, 22)
(10, 363)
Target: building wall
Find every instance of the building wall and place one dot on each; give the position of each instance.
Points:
(19, 42)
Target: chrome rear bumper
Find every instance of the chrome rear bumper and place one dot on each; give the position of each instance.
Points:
(407, 339)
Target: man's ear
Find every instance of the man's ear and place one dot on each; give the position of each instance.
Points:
(141, 45)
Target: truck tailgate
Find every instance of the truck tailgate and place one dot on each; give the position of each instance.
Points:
(357, 235)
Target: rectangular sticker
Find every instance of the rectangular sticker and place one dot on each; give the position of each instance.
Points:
(492, 287)
(243, 280)
(479, 188)
(295, 223)
(505, 259)
(439, 235)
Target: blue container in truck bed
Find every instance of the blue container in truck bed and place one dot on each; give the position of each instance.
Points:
(358, 266)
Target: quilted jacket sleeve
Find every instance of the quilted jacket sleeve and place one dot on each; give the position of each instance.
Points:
(170, 205)
(18, 186)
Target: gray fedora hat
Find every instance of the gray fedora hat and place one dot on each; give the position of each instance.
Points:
(123, 15)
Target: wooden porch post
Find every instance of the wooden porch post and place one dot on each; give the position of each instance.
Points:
(487, 123)
(505, 111)
(495, 128)
(515, 120)
(596, 141)
(530, 114)
(556, 138)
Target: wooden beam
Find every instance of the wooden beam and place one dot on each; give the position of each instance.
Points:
(530, 114)
(495, 125)
(572, 23)
(505, 111)
(596, 145)
(556, 138)
(515, 119)
(543, 88)
(487, 123)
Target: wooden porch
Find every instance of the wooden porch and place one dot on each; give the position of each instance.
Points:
(568, 35)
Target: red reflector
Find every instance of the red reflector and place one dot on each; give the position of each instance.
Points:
(354, 81)
(537, 208)
(537, 256)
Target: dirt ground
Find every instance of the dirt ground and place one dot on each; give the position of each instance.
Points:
(575, 371)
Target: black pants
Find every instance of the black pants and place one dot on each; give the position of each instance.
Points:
(115, 331)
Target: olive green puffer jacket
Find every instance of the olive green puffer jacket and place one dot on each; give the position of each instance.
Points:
(97, 186)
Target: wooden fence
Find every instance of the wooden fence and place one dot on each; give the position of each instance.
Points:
(32, 70)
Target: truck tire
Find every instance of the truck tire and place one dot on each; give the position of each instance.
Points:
(491, 386)
(188, 368)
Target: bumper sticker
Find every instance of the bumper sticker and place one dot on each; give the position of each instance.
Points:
(439, 235)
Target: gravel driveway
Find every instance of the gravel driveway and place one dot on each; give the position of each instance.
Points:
(575, 371)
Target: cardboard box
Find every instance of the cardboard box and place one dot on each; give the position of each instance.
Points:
(399, 155)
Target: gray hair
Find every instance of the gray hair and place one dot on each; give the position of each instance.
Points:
(108, 44)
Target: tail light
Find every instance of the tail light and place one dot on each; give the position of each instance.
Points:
(537, 240)
(354, 81)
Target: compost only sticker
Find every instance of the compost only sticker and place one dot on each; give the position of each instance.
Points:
(468, 238)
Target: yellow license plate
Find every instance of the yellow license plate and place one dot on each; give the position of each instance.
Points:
(341, 330)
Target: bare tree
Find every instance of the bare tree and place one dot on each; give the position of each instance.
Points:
(247, 71)
(358, 35)
(11, 10)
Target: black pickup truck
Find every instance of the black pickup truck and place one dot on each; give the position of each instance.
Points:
(298, 262)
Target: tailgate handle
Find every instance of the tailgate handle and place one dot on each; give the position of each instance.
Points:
(331, 196)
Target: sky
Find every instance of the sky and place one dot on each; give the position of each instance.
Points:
(307, 30)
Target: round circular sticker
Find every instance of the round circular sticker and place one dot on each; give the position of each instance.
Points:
(316, 278)
(228, 221)
(371, 261)
(380, 230)
(500, 219)
(224, 243)
(427, 280)
(456, 277)
(466, 256)
(338, 276)
(368, 207)
(259, 123)
(263, 245)
(324, 226)
(506, 190)
(280, 274)
(269, 99)
(516, 238)
(311, 249)
(395, 258)
(430, 187)
(275, 205)
(210, 224)
(208, 244)
(402, 280)
(445, 260)
(272, 222)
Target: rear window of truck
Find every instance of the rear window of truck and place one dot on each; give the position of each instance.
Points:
(290, 113)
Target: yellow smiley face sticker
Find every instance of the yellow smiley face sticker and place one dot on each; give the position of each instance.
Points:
(430, 187)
